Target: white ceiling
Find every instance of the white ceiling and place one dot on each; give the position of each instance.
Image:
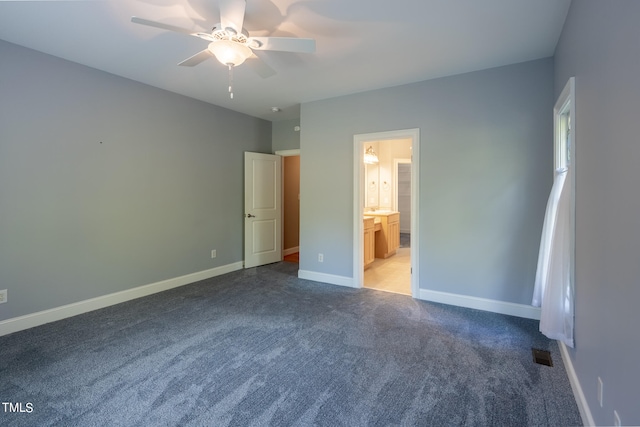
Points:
(361, 44)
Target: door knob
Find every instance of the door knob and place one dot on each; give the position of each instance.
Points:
(250, 216)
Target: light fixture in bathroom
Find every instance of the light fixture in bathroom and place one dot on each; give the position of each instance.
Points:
(370, 157)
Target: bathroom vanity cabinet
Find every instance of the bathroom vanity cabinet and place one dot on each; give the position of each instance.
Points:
(369, 241)
(386, 232)
(388, 239)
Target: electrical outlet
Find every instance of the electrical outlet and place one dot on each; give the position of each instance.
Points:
(600, 391)
(320, 257)
(616, 419)
(3, 296)
(214, 253)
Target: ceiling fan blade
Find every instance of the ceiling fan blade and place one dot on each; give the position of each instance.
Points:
(283, 44)
(260, 67)
(162, 26)
(232, 14)
(196, 59)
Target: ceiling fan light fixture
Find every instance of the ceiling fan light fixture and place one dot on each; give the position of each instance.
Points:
(254, 44)
(206, 36)
(229, 52)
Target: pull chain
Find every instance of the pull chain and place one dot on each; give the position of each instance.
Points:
(230, 80)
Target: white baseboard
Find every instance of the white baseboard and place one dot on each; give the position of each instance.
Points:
(581, 400)
(495, 306)
(326, 278)
(290, 251)
(40, 318)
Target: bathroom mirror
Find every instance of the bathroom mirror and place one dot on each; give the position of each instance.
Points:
(371, 186)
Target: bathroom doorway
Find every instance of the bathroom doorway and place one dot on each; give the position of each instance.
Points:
(385, 206)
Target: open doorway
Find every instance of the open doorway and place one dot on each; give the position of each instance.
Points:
(385, 211)
(290, 205)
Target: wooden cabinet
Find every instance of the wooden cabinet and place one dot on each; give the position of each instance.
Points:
(388, 239)
(393, 239)
(381, 235)
(369, 241)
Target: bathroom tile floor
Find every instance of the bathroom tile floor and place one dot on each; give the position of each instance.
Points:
(392, 274)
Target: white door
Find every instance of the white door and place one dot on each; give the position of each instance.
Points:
(263, 209)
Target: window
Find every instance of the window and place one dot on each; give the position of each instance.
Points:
(562, 141)
(554, 282)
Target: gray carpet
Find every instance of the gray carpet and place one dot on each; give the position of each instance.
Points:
(262, 347)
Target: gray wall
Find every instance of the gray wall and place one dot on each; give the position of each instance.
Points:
(599, 46)
(486, 171)
(80, 218)
(284, 136)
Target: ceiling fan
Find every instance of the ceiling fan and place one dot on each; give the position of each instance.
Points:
(231, 44)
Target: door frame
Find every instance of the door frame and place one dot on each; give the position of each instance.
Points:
(359, 142)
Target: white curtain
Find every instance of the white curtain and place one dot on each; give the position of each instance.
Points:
(553, 291)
